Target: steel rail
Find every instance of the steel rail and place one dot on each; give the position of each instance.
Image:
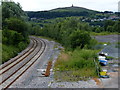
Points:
(44, 46)
(21, 59)
(11, 61)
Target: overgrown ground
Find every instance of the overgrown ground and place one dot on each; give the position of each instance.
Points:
(10, 51)
(76, 65)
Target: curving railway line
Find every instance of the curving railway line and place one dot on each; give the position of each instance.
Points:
(13, 69)
(32, 41)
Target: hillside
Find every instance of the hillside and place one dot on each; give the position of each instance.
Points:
(72, 9)
(62, 12)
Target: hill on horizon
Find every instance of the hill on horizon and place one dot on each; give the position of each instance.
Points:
(72, 9)
(62, 12)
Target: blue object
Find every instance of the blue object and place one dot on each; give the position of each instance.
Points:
(103, 62)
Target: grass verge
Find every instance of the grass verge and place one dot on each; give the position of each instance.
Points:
(9, 51)
(76, 65)
(104, 33)
(50, 39)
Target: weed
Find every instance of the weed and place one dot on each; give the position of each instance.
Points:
(76, 65)
(9, 51)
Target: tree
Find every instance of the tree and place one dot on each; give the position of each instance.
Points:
(108, 23)
(116, 26)
(11, 9)
(79, 39)
(98, 30)
(110, 29)
(17, 25)
(11, 37)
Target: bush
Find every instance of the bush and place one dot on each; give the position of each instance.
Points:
(22, 45)
(92, 44)
(10, 51)
(10, 37)
(79, 39)
(17, 25)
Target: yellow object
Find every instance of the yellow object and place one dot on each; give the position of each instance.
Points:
(103, 73)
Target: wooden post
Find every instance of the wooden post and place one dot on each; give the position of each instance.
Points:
(47, 73)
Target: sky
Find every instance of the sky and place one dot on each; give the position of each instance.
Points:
(42, 5)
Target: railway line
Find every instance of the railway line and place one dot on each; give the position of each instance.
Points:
(11, 71)
(15, 61)
(18, 56)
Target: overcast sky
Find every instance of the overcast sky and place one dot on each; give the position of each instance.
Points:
(41, 5)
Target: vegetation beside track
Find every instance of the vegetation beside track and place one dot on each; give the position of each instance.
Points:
(76, 65)
(15, 30)
(9, 51)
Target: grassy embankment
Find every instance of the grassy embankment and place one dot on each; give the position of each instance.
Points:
(9, 51)
(76, 65)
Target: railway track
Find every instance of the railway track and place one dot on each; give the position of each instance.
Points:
(14, 70)
(17, 57)
(15, 61)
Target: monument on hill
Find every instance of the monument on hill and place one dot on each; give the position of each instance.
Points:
(72, 5)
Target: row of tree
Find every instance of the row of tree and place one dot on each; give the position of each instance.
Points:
(70, 32)
(15, 30)
(48, 15)
(14, 25)
(108, 26)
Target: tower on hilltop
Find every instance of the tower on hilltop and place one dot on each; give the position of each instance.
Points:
(72, 5)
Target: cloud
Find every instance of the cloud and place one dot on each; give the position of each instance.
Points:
(119, 6)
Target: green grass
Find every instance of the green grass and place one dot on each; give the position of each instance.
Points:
(103, 33)
(76, 65)
(9, 51)
(75, 75)
(109, 57)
